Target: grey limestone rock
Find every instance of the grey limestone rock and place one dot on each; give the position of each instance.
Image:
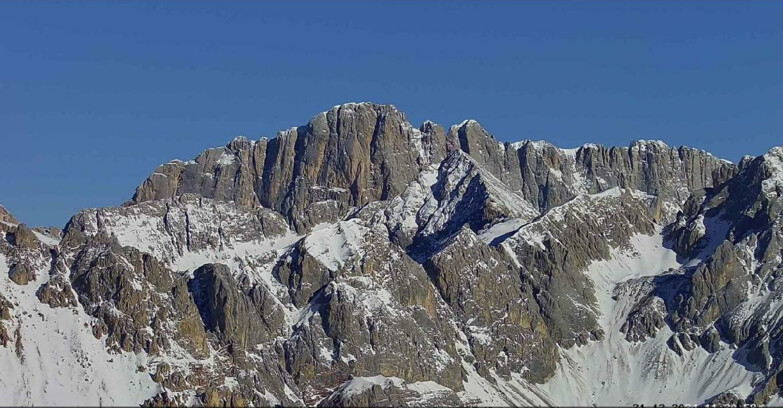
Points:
(384, 392)
(241, 317)
(6, 216)
(495, 307)
(731, 234)
(554, 249)
(355, 154)
(547, 176)
(360, 261)
(351, 155)
(643, 320)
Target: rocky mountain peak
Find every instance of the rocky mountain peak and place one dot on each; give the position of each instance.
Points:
(474, 140)
(773, 165)
(467, 126)
(357, 153)
(357, 260)
(342, 158)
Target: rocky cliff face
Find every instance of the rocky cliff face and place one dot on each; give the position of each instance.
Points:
(358, 260)
(547, 176)
(346, 157)
(356, 154)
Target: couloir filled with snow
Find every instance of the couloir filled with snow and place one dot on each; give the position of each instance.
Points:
(614, 371)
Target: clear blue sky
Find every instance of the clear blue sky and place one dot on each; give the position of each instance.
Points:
(94, 95)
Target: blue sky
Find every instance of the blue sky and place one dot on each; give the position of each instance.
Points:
(94, 95)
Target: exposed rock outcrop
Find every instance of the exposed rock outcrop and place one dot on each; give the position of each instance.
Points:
(360, 261)
(349, 156)
(6, 216)
(356, 154)
(732, 233)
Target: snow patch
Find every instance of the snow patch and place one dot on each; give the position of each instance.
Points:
(46, 239)
(336, 244)
(226, 159)
(500, 229)
(358, 385)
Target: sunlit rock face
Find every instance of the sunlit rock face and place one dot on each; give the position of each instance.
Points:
(359, 260)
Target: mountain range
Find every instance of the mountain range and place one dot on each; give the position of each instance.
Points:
(358, 260)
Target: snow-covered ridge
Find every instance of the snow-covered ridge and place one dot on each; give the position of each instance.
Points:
(642, 144)
(47, 240)
(583, 204)
(455, 177)
(351, 105)
(464, 123)
(187, 234)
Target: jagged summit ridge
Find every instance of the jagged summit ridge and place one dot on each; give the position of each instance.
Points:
(354, 154)
(359, 261)
(348, 156)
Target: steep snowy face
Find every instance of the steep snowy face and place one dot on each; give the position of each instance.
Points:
(467, 194)
(48, 355)
(335, 245)
(635, 361)
(436, 205)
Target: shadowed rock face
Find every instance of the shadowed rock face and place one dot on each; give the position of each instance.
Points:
(358, 261)
(241, 317)
(497, 306)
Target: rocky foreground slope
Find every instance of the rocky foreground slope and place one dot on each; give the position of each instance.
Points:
(358, 260)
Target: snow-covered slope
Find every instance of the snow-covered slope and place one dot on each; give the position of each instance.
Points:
(615, 371)
(54, 359)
